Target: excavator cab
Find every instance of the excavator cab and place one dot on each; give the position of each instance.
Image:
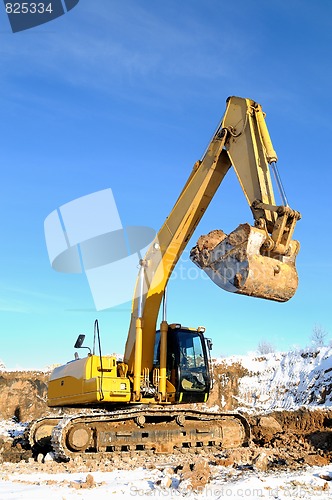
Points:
(188, 366)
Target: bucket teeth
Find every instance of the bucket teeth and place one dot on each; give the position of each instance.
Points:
(236, 263)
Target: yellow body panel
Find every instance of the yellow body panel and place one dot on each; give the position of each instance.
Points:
(84, 381)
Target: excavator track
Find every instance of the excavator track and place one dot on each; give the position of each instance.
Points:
(147, 431)
(38, 434)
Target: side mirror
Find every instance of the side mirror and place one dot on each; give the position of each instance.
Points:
(79, 343)
(209, 344)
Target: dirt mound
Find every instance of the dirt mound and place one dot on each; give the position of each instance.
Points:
(302, 437)
(226, 384)
(313, 425)
(23, 395)
(13, 451)
(196, 473)
(304, 420)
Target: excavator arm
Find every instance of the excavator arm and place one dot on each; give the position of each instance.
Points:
(241, 140)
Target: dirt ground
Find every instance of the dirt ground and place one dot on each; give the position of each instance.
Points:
(280, 440)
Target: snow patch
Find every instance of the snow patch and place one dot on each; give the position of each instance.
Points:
(285, 380)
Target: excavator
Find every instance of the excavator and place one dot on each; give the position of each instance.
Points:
(148, 401)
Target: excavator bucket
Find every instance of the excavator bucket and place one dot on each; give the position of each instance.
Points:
(237, 263)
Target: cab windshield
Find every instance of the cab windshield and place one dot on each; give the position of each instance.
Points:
(186, 360)
(191, 363)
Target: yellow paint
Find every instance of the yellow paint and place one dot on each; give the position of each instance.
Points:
(138, 359)
(163, 359)
(271, 155)
(82, 381)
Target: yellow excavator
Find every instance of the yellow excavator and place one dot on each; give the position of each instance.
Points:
(135, 404)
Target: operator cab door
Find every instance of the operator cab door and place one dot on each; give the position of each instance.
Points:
(187, 364)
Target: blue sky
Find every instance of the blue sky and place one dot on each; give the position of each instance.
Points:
(126, 95)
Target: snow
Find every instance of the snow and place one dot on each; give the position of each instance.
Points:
(142, 483)
(285, 380)
(12, 428)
